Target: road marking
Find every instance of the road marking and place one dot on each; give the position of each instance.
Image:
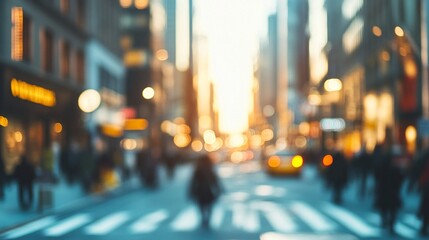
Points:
(412, 220)
(238, 214)
(405, 231)
(68, 225)
(217, 217)
(187, 220)
(305, 236)
(29, 228)
(276, 216)
(107, 224)
(252, 223)
(313, 218)
(351, 221)
(245, 218)
(150, 222)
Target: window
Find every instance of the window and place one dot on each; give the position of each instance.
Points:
(47, 50)
(65, 59)
(81, 13)
(65, 6)
(80, 67)
(27, 40)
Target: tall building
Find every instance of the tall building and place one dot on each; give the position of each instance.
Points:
(42, 64)
(53, 51)
(284, 68)
(298, 58)
(374, 48)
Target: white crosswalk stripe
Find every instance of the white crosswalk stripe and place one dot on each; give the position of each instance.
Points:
(217, 217)
(293, 218)
(68, 225)
(277, 217)
(107, 224)
(30, 228)
(150, 222)
(412, 221)
(187, 220)
(312, 217)
(245, 218)
(351, 221)
(405, 231)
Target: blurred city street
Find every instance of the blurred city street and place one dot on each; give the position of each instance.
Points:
(254, 206)
(214, 119)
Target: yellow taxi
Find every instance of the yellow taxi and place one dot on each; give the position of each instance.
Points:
(285, 162)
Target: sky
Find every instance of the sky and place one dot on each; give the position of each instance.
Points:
(233, 29)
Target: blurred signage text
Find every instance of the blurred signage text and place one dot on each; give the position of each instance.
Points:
(32, 93)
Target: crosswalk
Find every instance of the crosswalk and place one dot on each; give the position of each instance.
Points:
(250, 217)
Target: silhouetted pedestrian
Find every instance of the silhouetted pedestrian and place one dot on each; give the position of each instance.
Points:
(2, 178)
(388, 182)
(423, 211)
(148, 169)
(337, 176)
(25, 174)
(363, 165)
(204, 187)
(170, 164)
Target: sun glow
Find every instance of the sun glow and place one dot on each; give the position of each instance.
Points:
(232, 29)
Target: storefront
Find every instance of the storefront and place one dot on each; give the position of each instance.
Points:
(37, 115)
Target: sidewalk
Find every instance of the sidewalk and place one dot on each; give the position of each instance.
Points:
(65, 197)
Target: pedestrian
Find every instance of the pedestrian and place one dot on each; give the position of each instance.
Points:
(388, 182)
(363, 166)
(2, 178)
(25, 174)
(337, 176)
(423, 211)
(204, 187)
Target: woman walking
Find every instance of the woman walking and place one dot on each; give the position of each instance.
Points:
(204, 188)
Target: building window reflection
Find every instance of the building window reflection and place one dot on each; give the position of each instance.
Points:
(65, 60)
(46, 42)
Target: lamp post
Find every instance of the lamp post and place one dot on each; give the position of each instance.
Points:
(88, 101)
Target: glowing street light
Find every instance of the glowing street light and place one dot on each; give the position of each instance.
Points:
(333, 84)
(148, 93)
(89, 100)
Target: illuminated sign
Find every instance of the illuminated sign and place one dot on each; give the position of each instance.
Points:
(32, 93)
(17, 34)
(135, 124)
(332, 124)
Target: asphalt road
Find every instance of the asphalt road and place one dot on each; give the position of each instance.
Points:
(254, 206)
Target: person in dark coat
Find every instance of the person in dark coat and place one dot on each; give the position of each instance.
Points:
(25, 174)
(2, 178)
(423, 211)
(363, 165)
(204, 187)
(388, 182)
(337, 176)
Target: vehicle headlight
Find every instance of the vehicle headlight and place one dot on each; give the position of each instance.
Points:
(297, 161)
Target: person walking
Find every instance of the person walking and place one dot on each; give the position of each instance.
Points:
(2, 178)
(363, 166)
(25, 174)
(423, 211)
(204, 187)
(337, 176)
(388, 182)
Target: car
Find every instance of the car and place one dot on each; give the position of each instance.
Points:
(285, 162)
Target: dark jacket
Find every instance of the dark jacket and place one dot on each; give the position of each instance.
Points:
(204, 187)
(25, 173)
